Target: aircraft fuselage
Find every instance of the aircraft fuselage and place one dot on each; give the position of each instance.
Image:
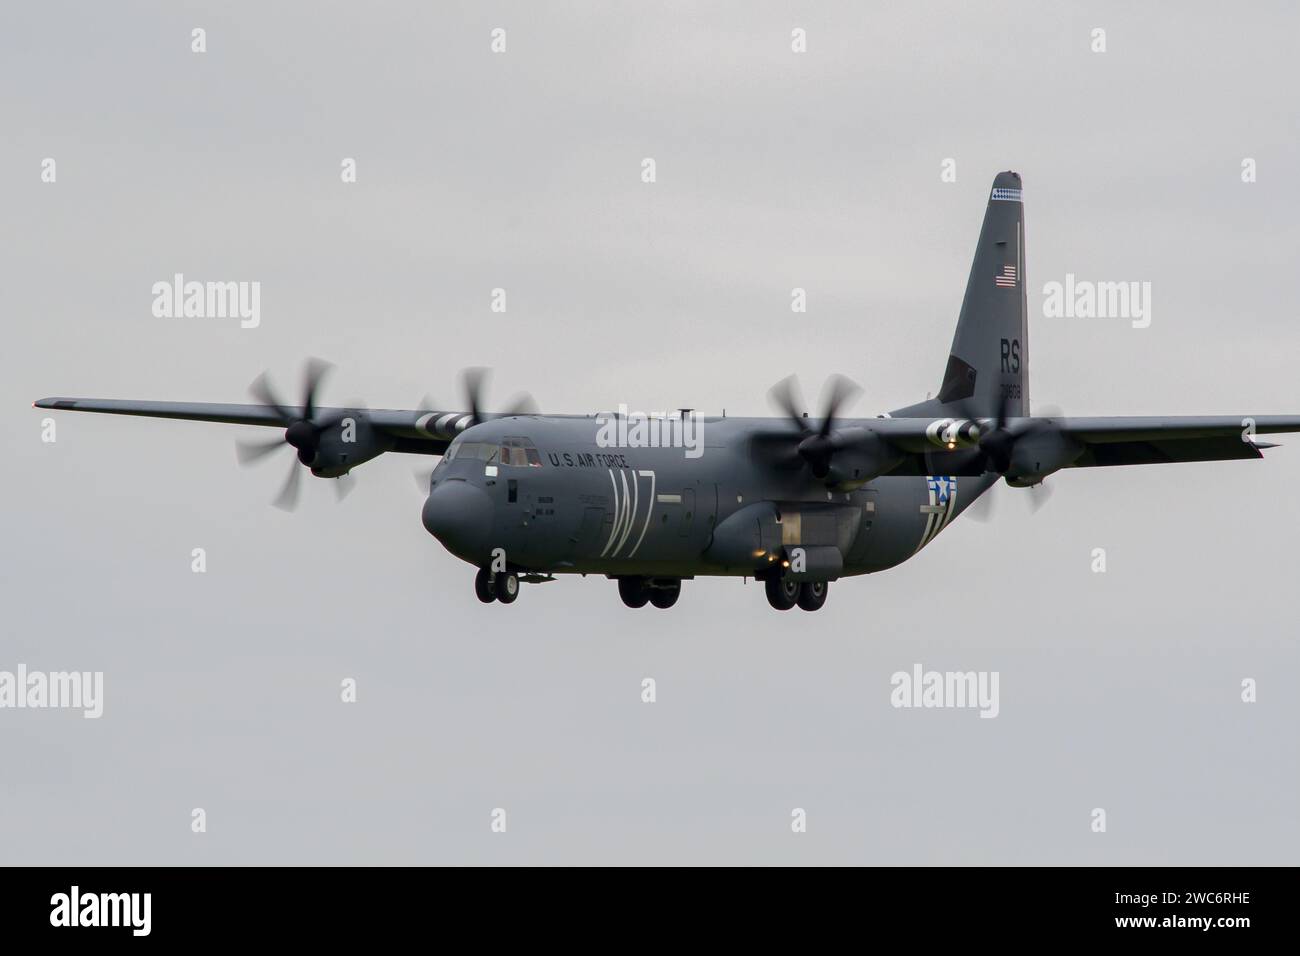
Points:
(576, 506)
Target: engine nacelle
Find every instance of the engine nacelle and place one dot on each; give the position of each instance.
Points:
(1037, 456)
(864, 455)
(953, 433)
(351, 442)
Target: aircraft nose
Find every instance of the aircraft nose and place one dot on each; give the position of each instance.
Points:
(460, 516)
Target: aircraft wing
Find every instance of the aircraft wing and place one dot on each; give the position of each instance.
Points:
(915, 433)
(1068, 442)
(190, 411)
(1150, 440)
(417, 430)
(1179, 427)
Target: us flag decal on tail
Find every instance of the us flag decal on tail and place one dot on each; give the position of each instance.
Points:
(1006, 279)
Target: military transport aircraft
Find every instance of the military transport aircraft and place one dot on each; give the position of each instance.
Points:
(794, 502)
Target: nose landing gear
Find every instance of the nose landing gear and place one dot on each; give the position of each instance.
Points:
(483, 588)
(489, 587)
(507, 587)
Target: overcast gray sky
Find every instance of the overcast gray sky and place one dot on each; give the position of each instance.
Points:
(521, 170)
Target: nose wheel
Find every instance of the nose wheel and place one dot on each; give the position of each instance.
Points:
(483, 589)
(489, 587)
(507, 587)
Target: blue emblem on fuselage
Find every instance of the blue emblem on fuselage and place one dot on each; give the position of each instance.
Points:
(942, 486)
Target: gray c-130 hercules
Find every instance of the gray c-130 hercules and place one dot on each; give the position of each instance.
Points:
(794, 502)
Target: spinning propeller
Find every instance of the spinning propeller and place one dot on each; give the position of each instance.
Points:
(303, 428)
(997, 448)
(474, 381)
(816, 447)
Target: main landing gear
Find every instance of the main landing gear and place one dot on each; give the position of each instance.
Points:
(784, 593)
(661, 592)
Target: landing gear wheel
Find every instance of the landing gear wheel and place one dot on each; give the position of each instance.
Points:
(812, 595)
(782, 593)
(507, 587)
(665, 597)
(633, 591)
(483, 589)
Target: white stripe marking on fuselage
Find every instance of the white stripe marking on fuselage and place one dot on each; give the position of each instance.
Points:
(936, 519)
(649, 510)
(614, 528)
(629, 506)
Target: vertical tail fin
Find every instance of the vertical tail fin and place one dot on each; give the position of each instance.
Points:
(989, 358)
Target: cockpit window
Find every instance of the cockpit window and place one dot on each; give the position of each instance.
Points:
(520, 453)
(470, 450)
(516, 452)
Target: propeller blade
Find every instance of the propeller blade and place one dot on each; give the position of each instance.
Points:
(249, 452)
(982, 508)
(996, 440)
(474, 379)
(815, 447)
(261, 390)
(1050, 412)
(1000, 423)
(1044, 420)
(839, 390)
(303, 430)
(287, 499)
(1039, 495)
(521, 404)
(329, 421)
(343, 487)
(997, 446)
(785, 396)
(315, 371)
(422, 478)
(356, 410)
